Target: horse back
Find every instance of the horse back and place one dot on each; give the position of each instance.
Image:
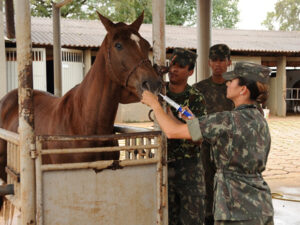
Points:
(9, 111)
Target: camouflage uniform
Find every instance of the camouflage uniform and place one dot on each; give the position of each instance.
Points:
(215, 96)
(216, 101)
(186, 186)
(240, 142)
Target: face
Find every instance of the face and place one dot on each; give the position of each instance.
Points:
(233, 89)
(219, 66)
(127, 60)
(178, 74)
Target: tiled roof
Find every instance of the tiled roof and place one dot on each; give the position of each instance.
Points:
(90, 33)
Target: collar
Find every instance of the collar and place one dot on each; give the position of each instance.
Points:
(246, 106)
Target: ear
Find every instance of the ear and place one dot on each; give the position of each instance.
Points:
(229, 62)
(138, 22)
(106, 22)
(243, 90)
(190, 72)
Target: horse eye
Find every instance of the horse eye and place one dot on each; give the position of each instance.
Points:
(118, 46)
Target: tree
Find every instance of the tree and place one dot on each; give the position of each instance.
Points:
(181, 12)
(286, 16)
(78, 9)
(126, 10)
(225, 13)
(178, 12)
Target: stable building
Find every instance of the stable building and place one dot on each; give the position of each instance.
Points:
(81, 39)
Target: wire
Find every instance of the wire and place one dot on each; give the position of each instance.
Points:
(280, 196)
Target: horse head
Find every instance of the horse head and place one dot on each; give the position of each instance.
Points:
(127, 58)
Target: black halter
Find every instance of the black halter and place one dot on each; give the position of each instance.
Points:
(143, 61)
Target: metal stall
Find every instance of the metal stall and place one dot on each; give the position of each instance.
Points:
(130, 191)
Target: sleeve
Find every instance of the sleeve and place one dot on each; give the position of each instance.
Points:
(210, 127)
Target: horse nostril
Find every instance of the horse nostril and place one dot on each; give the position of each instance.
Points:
(145, 85)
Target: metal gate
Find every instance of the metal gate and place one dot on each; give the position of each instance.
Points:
(129, 191)
(38, 67)
(72, 68)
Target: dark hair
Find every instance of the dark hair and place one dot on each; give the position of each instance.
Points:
(258, 90)
(191, 66)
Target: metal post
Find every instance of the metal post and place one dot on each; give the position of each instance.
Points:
(26, 118)
(158, 32)
(3, 77)
(10, 20)
(57, 46)
(57, 51)
(159, 57)
(203, 37)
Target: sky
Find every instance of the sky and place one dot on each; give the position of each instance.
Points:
(253, 13)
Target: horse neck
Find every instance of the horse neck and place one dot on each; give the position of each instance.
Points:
(100, 96)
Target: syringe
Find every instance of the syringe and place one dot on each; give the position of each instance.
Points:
(176, 106)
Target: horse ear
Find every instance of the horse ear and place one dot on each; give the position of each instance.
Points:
(106, 22)
(138, 22)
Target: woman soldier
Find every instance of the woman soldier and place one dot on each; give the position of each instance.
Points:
(240, 141)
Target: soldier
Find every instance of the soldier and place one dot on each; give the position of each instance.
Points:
(214, 91)
(186, 187)
(240, 142)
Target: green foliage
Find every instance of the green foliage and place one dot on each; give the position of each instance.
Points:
(126, 10)
(77, 9)
(178, 12)
(225, 13)
(285, 17)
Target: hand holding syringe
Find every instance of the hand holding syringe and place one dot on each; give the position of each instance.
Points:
(176, 106)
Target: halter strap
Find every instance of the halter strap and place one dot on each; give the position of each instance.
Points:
(143, 61)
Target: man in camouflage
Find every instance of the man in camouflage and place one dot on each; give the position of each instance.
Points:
(186, 187)
(214, 91)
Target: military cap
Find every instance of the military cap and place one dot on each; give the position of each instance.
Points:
(249, 71)
(183, 57)
(219, 51)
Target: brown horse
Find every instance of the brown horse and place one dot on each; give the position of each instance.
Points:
(119, 74)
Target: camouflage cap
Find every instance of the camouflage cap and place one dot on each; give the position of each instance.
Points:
(219, 51)
(250, 71)
(183, 57)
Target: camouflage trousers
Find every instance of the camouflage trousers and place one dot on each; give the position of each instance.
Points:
(186, 195)
(264, 220)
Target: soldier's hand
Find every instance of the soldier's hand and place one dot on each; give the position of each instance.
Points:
(185, 108)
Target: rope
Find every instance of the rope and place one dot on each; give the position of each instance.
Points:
(280, 196)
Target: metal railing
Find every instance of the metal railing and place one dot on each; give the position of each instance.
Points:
(13, 165)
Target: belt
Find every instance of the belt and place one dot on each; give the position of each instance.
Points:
(247, 175)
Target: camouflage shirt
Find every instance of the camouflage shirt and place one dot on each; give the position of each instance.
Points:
(240, 142)
(215, 96)
(192, 98)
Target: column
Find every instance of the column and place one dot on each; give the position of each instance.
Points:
(203, 38)
(281, 86)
